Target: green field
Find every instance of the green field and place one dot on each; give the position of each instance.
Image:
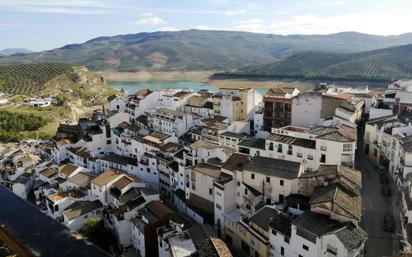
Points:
(27, 79)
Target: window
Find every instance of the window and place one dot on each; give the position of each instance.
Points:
(271, 146)
(323, 148)
(252, 176)
(299, 155)
(280, 148)
(245, 191)
(310, 157)
(218, 207)
(290, 150)
(281, 182)
(238, 184)
(282, 251)
(332, 250)
(286, 239)
(268, 179)
(347, 147)
(305, 247)
(210, 191)
(274, 232)
(323, 158)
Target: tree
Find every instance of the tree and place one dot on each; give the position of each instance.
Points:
(95, 231)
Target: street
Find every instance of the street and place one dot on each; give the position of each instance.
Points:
(374, 207)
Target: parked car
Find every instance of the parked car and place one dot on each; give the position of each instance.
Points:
(380, 169)
(388, 224)
(384, 179)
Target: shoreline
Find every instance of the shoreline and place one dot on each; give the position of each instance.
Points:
(157, 76)
(197, 77)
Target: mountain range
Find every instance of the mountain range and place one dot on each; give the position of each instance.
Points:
(380, 65)
(12, 51)
(206, 50)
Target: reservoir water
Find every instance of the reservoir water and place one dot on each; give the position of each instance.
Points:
(133, 87)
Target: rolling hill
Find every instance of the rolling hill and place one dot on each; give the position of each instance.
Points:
(380, 65)
(51, 78)
(12, 51)
(201, 50)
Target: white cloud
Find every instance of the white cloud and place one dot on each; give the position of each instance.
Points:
(167, 28)
(234, 12)
(51, 6)
(147, 14)
(149, 21)
(251, 25)
(372, 23)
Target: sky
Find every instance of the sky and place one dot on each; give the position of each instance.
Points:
(46, 24)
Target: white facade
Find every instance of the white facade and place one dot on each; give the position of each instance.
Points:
(306, 110)
(170, 122)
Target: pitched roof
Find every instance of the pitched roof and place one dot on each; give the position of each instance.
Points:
(106, 177)
(258, 143)
(111, 98)
(80, 208)
(236, 161)
(212, 247)
(307, 143)
(67, 169)
(124, 182)
(234, 135)
(207, 169)
(316, 224)
(274, 167)
(354, 176)
(71, 193)
(339, 196)
(123, 160)
(171, 147)
(264, 217)
(159, 209)
(280, 91)
(340, 133)
(82, 179)
(351, 236)
(49, 172)
(204, 144)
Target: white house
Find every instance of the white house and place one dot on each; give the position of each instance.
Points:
(174, 123)
(116, 103)
(78, 213)
(315, 234)
(100, 186)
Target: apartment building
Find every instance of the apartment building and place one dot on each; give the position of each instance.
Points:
(278, 107)
(313, 147)
(236, 104)
(174, 123)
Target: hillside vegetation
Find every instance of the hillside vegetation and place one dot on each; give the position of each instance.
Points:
(201, 50)
(30, 78)
(380, 65)
(15, 126)
(77, 90)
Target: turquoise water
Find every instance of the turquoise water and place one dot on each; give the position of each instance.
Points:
(133, 87)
